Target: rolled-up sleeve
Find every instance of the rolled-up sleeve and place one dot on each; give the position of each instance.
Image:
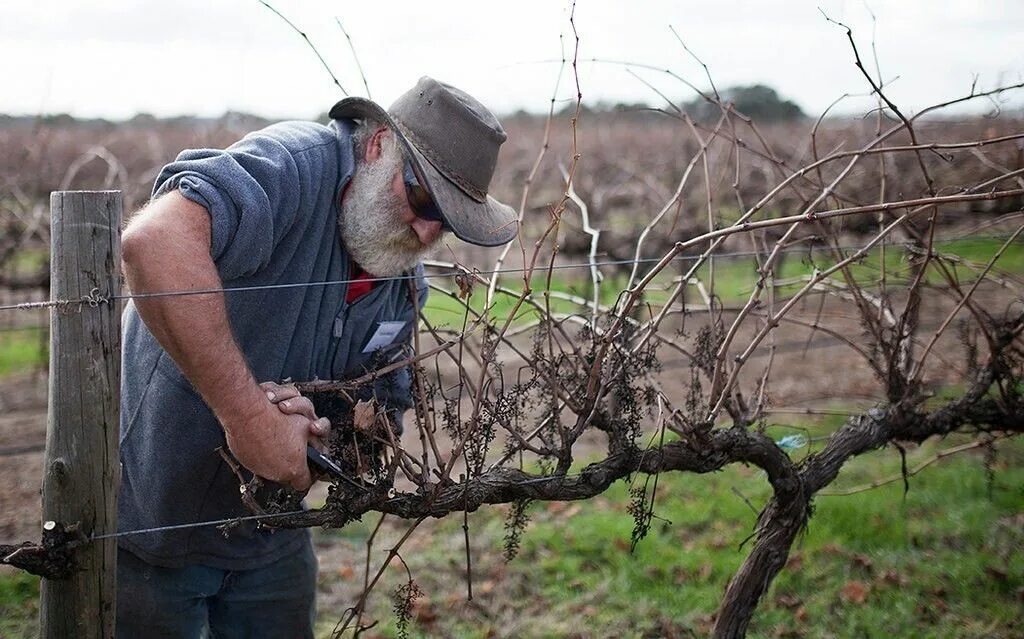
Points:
(251, 191)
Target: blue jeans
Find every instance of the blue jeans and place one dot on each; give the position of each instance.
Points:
(278, 600)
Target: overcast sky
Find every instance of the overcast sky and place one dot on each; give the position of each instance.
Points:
(114, 58)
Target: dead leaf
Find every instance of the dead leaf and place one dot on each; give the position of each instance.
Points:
(863, 561)
(788, 601)
(346, 572)
(454, 600)
(801, 614)
(705, 571)
(425, 611)
(997, 573)
(364, 415)
(795, 561)
(465, 283)
(855, 592)
(894, 578)
(556, 506)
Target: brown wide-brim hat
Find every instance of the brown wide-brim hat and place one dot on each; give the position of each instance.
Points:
(454, 142)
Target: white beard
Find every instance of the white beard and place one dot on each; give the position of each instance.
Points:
(371, 223)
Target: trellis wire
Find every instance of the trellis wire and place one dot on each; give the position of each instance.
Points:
(95, 298)
(198, 524)
(230, 520)
(786, 443)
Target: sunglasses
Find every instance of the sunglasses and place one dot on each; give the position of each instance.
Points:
(420, 200)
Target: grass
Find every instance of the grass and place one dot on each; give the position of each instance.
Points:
(734, 279)
(22, 349)
(19, 605)
(30, 260)
(943, 561)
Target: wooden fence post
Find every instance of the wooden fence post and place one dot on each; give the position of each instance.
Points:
(81, 471)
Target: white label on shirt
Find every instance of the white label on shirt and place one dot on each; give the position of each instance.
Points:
(386, 333)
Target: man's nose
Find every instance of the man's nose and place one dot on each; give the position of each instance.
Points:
(426, 230)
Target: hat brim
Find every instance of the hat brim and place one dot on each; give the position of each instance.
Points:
(487, 223)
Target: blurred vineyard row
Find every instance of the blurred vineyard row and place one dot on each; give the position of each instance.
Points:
(630, 166)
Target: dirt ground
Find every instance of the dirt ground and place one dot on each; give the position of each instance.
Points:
(22, 426)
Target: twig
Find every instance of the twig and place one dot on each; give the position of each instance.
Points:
(309, 43)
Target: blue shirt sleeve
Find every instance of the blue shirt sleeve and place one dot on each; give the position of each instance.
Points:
(252, 192)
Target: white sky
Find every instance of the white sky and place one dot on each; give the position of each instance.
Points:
(114, 58)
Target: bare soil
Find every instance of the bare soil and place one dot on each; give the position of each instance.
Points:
(22, 426)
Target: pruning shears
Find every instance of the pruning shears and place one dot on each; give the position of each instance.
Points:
(322, 464)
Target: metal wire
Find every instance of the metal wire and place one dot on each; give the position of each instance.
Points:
(200, 524)
(219, 522)
(95, 298)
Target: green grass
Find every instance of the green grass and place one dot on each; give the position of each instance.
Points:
(980, 251)
(944, 561)
(22, 349)
(19, 605)
(734, 279)
(30, 260)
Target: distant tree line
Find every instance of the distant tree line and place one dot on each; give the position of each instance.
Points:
(760, 102)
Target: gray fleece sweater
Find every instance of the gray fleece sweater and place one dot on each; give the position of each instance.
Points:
(273, 202)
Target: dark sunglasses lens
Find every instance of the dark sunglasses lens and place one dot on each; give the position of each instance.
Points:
(420, 200)
(422, 204)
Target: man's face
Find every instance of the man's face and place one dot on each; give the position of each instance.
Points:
(378, 227)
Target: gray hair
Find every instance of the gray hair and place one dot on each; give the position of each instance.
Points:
(364, 130)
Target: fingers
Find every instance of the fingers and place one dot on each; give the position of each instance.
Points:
(302, 482)
(320, 428)
(279, 392)
(298, 406)
(288, 399)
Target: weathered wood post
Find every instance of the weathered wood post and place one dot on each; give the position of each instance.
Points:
(81, 471)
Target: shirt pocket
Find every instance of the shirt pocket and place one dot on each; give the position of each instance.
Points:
(356, 326)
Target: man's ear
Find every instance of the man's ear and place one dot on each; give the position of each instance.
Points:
(374, 146)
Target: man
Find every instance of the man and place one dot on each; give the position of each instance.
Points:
(296, 203)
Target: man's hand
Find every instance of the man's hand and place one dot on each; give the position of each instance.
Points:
(272, 444)
(290, 401)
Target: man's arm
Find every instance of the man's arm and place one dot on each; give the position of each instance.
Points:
(167, 248)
